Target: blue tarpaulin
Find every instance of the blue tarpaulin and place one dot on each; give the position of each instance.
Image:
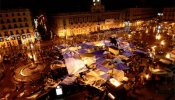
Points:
(122, 66)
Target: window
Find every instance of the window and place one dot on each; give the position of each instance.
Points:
(26, 25)
(19, 20)
(1, 39)
(15, 26)
(25, 19)
(3, 27)
(0, 15)
(24, 13)
(0, 35)
(21, 25)
(13, 14)
(2, 21)
(18, 14)
(6, 15)
(11, 33)
(28, 35)
(8, 20)
(28, 31)
(14, 20)
(22, 31)
(10, 27)
(17, 32)
(6, 34)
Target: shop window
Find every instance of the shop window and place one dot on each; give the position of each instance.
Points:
(28, 31)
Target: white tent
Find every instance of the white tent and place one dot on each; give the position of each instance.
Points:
(75, 66)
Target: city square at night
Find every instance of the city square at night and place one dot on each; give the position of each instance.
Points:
(87, 50)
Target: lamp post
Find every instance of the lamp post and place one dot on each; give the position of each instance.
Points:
(31, 50)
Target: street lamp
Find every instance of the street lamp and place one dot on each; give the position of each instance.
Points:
(162, 42)
(31, 50)
(167, 55)
(158, 36)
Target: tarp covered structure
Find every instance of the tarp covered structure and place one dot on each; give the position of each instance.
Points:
(75, 66)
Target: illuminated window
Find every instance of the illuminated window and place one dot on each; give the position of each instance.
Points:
(12, 14)
(3, 27)
(1, 39)
(28, 35)
(8, 20)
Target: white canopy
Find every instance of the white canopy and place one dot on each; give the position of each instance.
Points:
(75, 66)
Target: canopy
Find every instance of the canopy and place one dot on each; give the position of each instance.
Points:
(122, 66)
(75, 66)
(68, 80)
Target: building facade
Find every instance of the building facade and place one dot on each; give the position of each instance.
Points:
(69, 24)
(137, 15)
(169, 14)
(15, 27)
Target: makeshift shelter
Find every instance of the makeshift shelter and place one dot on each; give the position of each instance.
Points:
(69, 80)
(122, 66)
(74, 65)
(113, 50)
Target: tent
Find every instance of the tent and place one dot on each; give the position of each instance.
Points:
(122, 66)
(113, 50)
(69, 80)
(74, 65)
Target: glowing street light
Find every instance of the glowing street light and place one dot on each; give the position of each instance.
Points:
(147, 76)
(158, 36)
(129, 36)
(114, 82)
(167, 55)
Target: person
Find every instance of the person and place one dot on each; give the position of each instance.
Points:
(113, 41)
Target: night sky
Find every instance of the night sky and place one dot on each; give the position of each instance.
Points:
(81, 5)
